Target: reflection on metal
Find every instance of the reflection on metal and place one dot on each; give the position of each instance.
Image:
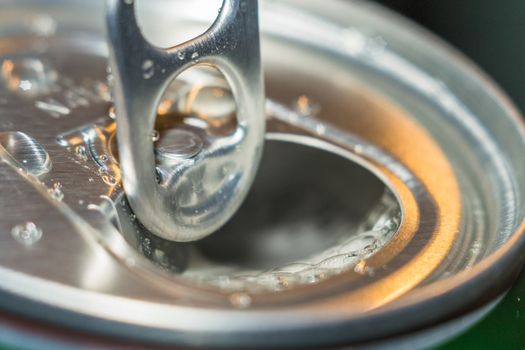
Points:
(384, 122)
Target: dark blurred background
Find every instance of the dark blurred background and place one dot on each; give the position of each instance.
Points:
(490, 32)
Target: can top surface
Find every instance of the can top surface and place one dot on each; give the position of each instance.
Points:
(418, 120)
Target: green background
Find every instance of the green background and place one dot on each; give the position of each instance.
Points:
(492, 34)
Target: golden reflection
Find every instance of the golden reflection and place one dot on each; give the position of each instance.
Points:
(398, 266)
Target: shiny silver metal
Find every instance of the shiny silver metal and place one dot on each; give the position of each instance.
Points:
(387, 107)
(193, 199)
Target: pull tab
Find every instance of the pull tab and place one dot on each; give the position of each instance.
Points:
(173, 209)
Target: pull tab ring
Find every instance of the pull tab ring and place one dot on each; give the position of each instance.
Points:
(173, 209)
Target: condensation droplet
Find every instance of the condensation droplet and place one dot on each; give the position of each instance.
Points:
(148, 69)
(195, 56)
(27, 233)
(103, 158)
(23, 151)
(240, 300)
(56, 192)
(155, 135)
(80, 152)
(181, 55)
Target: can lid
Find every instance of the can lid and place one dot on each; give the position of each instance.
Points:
(369, 207)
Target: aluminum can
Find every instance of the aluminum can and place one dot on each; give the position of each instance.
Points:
(387, 212)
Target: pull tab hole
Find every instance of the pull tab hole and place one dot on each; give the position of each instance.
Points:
(165, 23)
(201, 98)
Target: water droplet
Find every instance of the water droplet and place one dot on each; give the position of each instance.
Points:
(103, 158)
(56, 192)
(53, 108)
(181, 55)
(148, 69)
(23, 151)
(27, 233)
(195, 56)
(80, 152)
(240, 300)
(155, 135)
(27, 76)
